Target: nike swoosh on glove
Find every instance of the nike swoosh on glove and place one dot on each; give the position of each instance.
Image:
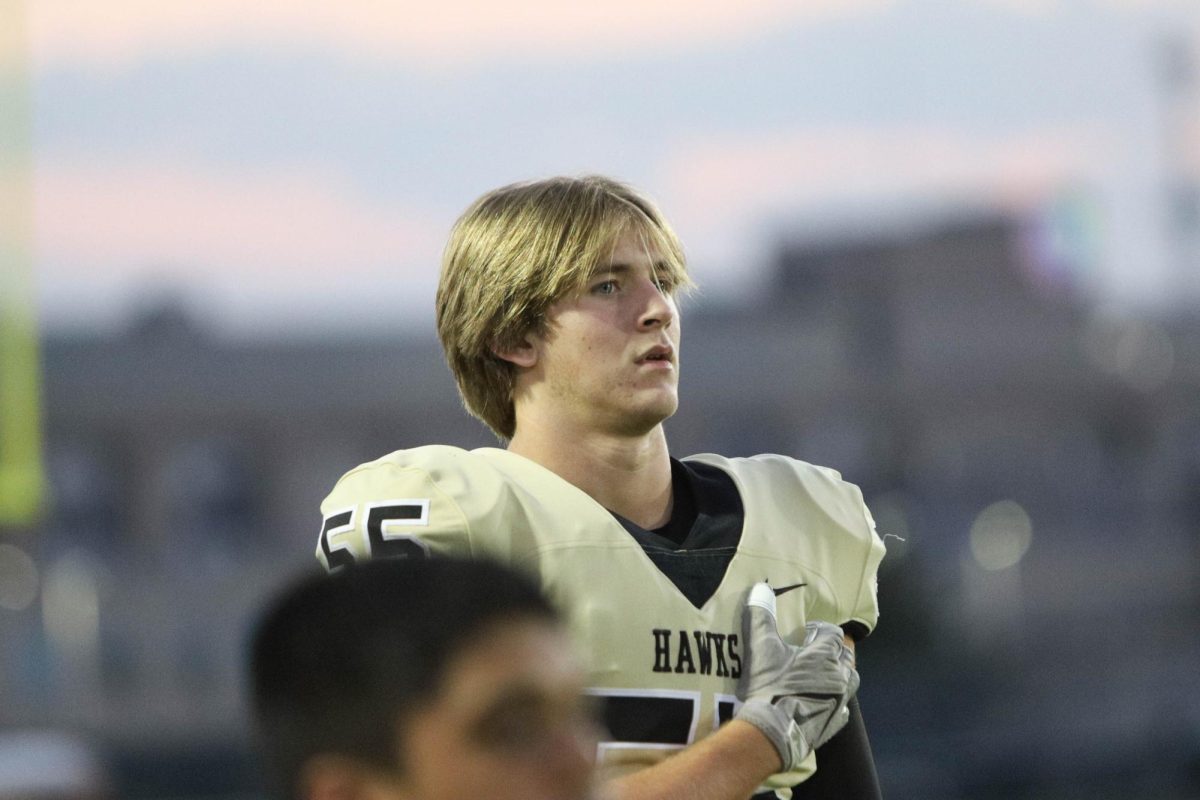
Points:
(795, 695)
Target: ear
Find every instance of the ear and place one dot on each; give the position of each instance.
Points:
(523, 355)
(334, 777)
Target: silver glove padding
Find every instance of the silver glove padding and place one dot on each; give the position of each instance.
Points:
(795, 695)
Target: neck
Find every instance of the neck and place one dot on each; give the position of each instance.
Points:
(627, 474)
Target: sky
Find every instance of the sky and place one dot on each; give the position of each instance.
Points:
(293, 167)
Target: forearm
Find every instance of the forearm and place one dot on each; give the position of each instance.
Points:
(728, 765)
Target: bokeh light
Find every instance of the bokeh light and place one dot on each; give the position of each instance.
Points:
(71, 605)
(18, 578)
(1139, 352)
(1001, 535)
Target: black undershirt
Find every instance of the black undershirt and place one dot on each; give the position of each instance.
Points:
(696, 545)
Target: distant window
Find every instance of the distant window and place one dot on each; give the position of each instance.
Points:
(212, 496)
(85, 496)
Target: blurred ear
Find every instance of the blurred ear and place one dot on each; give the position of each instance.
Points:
(524, 354)
(334, 777)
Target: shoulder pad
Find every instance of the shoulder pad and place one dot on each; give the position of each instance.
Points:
(409, 502)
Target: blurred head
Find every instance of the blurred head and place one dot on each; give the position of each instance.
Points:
(420, 679)
(514, 253)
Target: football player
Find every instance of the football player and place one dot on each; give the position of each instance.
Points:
(557, 312)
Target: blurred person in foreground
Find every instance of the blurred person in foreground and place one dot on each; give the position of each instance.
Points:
(420, 680)
(557, 312)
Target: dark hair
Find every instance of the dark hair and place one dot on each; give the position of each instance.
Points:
(339, 660)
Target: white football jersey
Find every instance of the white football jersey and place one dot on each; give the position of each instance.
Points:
(667, 668)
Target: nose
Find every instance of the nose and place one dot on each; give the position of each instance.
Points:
(658, 307)
(572, 760)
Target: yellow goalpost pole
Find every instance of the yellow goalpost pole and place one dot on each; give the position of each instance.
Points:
(22, 482)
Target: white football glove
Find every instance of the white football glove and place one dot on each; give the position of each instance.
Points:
(795, 695)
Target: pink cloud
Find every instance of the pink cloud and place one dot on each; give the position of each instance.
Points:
(123, 31)
(715, 178)
(127, 218)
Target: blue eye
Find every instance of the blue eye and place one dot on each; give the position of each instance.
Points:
(605, 287)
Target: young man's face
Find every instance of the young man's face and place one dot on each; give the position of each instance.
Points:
(610, 356)
(510, 722)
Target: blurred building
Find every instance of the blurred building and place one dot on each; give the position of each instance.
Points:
(1033, 462)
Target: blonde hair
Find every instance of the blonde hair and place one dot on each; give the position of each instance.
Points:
(515, 252)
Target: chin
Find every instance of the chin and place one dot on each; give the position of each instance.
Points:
(647, 417)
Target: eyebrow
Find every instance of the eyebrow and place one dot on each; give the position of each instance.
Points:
(521, 696)
(516, 696)
(514, 700)
(621, 268)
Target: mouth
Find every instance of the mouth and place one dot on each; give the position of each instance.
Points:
(658, 354)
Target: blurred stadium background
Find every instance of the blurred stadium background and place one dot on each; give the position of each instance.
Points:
(952, 250)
